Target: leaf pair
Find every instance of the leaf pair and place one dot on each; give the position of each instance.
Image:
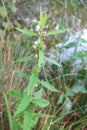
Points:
(39, 101)
(30, 119)
(32, 33)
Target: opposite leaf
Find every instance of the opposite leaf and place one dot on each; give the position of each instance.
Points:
(39, 101)
(79, 89)
(52, 61)
(14, 93)
(67, 104)
(41, 58)
(24, 59)
(54, 32)
(23, 104)
(48, 86)
(30, 120)
(27, 32)
(32, 82)
(60, 100)
(43, 21)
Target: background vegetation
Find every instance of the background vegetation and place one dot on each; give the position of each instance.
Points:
(41, 86)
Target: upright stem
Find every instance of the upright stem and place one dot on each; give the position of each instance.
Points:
(8, 111)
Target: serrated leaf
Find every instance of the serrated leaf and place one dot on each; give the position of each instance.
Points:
(3, 11)
(32, 82)
(22, 74)
(60, 100)
(14, 123)
(82, 89)
(54, 32)
(27, 32)
(67, 104)
(69, 92)
(38, 94)
(13, 8)
(41, 58)
(79, 89)
(39, 101)
(43, 21)
(23, 104)
(30, 120)
(14, 93)
(48, 86)
(53, 61)
(74, 3)
(81, 40)
(24, 59)
(72, 44)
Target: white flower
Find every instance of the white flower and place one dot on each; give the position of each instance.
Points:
(36, 85)
(27, 19)
(35, 44)
(37, 28)
(34, 21)
(57, 26)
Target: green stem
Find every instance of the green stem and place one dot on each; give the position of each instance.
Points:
(8, 111)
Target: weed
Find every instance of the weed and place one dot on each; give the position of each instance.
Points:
(38, 91)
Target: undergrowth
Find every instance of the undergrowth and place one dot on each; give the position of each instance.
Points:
(39, 92)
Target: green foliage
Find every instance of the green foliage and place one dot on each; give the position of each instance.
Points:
(81, 40)
(41, 58)
(52, 61)
(27, 32)
(39, 101)
(67, 104)
(41, 89)
(25, 101)
(8, 111)
(73, 44)
(79, 89)
(61, 98)
(24, 59)
(55, 32)
(14, 93)
(30, 120)
(31, 99)
(22, 74)
(3, 11)
(14, 124)
(13, 7)
(32, 83)
(43, 20)
(48, 86)
(74, 3)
